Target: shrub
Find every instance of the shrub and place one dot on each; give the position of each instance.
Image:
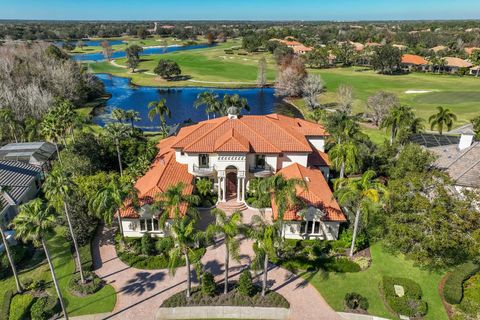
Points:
(342, 265)
(148, 244)
(208, 284)
(410, 304)
(92, 285)
(20, 306)
(470, 304)
(37, 285)
(27, 282)
(245, 284)
(453, 289)
(44, 308)
(164, 245)
(355, 301)
(7, 298)
(363, 262)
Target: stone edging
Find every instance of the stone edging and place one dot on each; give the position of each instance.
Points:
(257, 209)
(222, 312)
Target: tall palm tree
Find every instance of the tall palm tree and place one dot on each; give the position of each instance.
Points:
(234, 101)
(7, 247)
(399, 116)
(359, 193)
(117, 132)
(112, 198)
(118, 114)
(444, 117)
(173, 200)
(53, 131)
(345, 157)
(7, 117)
(31, 129)
(132, 116)
(35, 222)
(229, 227)
(58, 188)
(210, 101)
(342, 126)
(266, 239)
(283, 192)
(185, 238)
(160, 109)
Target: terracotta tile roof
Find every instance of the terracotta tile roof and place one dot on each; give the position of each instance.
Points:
(470, 50)
(165, 171)
(457, 62)
(318, 158)
(301, 48)
(262, 134)
(414, 59)
(438, 48)
(317, 194)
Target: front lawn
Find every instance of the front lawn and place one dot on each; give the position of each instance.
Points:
(334, 286)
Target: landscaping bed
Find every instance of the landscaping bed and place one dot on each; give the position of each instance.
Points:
(404, 296)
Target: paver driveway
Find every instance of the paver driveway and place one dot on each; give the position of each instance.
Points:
(141, 292)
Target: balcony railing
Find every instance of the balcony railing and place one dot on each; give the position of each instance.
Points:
(261, 171)
(203, 170)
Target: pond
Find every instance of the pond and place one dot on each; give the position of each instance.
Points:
(146, 51)
(180, 101)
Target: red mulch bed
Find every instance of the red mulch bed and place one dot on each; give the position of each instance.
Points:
(448, 307)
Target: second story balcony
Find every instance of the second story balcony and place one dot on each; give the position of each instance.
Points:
(261, 171)
(203, 171)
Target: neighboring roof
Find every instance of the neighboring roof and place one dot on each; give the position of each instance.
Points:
(400, 46)
(17, 176)
(259, 134)
(318, 159)
(301, 48)
(431, 140)
(463, 166)
(457, 62)
(373, 44)
(164, 172)
(32, 152)
(438, 48)
(465, 129)
(470, 50)
(317, 194)
(414, 59)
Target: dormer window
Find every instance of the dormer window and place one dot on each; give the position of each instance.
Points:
(203, 160)
(260, 161)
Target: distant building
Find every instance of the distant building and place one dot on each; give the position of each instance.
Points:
(454, 64)
(412, 62)
(23, 181)
(470, 50)
(439, 49)
(39, 154)
(298, 47)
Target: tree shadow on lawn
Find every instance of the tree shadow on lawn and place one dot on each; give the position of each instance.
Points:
(143, 281)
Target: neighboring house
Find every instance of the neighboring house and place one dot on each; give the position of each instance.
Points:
(412, 62)
(23, 181)
(233, 150)
(470, 50)
(438, 49)
(454, 64)
(39, 154)
(400, 47)
(298, 47)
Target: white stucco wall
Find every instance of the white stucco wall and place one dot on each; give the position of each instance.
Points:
(131, 228)
(289, 158)
(291, 230)
(318, 142)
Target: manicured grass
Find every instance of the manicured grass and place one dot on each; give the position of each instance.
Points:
(102, 301)
(334, 286)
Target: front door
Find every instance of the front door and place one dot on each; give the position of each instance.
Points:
(231, 185)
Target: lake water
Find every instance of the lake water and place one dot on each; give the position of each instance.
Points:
(146, 51)
(91, 43)
(180, 101)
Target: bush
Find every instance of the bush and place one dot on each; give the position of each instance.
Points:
(92, 285)
(342, 265)
(470, 304)
(7, 298)
(20, 306)
(19, 252)
(44, 308)
(37, 285)
(164, 245)
(355, 301)
(453, 289)
(208, 284)
(245, 284)
(410, 304)
(363, 262)
(147, 244)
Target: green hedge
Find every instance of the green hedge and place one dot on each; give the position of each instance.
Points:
(453, 289)
(153, 262)
(411, 304)
(44, 308)
(20, 306)
(7, 298)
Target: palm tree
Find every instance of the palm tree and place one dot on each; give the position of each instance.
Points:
(159, 108)
(132, 116)
(229, 227)
(360, 193)
(116, 132)
(111, 199)
(53, 131)
(234, 101)
(266, 239)
(185, 238)
(7, 117)
(210, 101)
(173, 200)
(35, 222)
(342, 126)
(397, 118)
(118, 114)
(283, 192)
(444, 117)
(31, 129)
(58, 188)
(7, 247)
(345, 157)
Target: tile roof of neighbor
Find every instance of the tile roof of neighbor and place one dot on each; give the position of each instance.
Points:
(463, 166)
(17, 176)
(164, 172)
(31, 152)
(470, 50)
(318, 158)
(261, 134)
(457, 62)
(413, 59)
(317, 194)
(438, 48)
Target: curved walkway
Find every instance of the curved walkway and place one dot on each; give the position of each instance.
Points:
(141, 292)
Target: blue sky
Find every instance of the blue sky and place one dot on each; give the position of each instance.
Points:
(239, 10)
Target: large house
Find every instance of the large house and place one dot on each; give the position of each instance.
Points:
(412, 62)
(39, 154)
(233, 150)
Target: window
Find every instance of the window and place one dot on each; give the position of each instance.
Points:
(260, 161)
(203, 160)
(302, 227)
(310, 227)
(149, 225)
(143, 224)
(316, 228)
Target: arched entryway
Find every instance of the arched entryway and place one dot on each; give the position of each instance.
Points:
(231, 187)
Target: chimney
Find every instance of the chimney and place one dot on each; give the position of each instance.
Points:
(466, 140)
